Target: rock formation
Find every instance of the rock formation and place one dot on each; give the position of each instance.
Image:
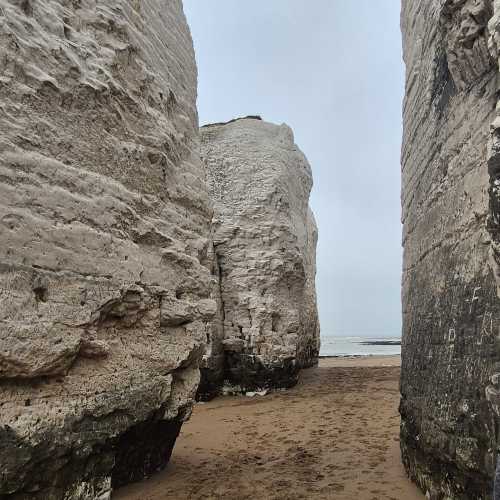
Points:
(105, 254)
(265, 244)
(451, 220)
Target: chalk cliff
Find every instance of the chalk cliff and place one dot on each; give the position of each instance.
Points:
(265, 246)
(105, 260)
(451, 217)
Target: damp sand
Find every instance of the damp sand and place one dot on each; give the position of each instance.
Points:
(334, 436)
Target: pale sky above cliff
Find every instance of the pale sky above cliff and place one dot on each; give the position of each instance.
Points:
(332, 70)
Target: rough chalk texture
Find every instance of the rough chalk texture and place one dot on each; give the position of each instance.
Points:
(450, 216)
(105, 259)
(265, 243)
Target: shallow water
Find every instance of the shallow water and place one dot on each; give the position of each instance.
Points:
(351, 346)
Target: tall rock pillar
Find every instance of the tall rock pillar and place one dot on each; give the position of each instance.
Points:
(265, 245)
(105, 262)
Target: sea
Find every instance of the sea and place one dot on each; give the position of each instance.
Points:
(353, 346)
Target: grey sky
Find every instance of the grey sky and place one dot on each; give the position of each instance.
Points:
(332, 70)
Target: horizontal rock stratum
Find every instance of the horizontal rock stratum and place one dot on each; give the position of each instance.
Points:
(265, 246)
(105, 258)
(451, 215)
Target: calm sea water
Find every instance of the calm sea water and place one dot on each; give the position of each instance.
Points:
(351, 346)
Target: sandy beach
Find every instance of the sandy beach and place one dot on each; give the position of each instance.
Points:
(333, 436)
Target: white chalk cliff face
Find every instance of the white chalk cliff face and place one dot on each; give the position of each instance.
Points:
(105, 260)
(265, 242)
(451, 215)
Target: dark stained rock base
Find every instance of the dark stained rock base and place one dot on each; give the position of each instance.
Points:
(51, 471)
(248, 373)
(211, 383)
(440, 478)
(144, 450)
(244, 372)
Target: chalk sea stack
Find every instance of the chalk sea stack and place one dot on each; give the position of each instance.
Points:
(265, 247)
(105, 252)
(451, 217)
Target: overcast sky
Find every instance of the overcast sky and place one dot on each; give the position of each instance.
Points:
(332, 70)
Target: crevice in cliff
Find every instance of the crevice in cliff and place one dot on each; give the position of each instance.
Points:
(212, 369)
(218, 263)
(443, 86)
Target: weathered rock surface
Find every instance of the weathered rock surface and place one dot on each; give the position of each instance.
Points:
(451, 220)
(105, 278)
(265, 245)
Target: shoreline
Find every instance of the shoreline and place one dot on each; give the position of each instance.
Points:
(366, 361)
(328, 356)
(333, 436)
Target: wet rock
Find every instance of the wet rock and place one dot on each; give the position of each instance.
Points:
(104, 216)
(265, 242)
(450, 279)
